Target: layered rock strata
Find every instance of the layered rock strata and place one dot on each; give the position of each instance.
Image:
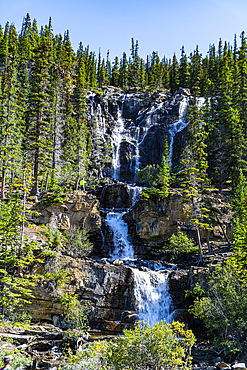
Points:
(106, 288)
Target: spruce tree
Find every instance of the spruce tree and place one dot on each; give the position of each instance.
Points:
(184, 75)
(39, 140)
(10, 134)
(174, 75)
(193, 172)
(165, 169)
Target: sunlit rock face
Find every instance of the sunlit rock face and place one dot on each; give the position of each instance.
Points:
(106, 288)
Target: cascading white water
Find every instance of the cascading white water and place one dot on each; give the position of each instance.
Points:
(178, 125)
(152, 297)
(134, 192)
(200, 102)
(116, 142)
(123, 248)
(141, 133)
(151, 294)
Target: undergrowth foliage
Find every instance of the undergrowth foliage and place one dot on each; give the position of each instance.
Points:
(165, 346)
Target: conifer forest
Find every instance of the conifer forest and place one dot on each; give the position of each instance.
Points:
(123, 212)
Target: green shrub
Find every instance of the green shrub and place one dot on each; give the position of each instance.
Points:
(148, 175)
(152, 193)
(180, 243)
(77, 241)
(53, 240)
(75, 316)
(223, 308)
(20, 360)
(165, 346)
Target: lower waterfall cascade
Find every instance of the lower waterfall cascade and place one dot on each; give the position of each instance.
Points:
(153, 301)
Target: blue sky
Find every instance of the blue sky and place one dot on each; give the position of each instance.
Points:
(158, 25)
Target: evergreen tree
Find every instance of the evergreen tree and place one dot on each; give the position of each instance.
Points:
(184, 75)
(115, 73)
(39, 142)
(165, 169)
(166, 73)
(9, 129)
(193, 173)
(242, 64)
(80, 110)
(108, 70)
(123, 72)
(174, 75)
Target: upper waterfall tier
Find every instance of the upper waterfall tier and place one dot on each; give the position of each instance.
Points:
(136, 124)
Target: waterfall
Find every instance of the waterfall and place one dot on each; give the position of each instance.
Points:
(116, 142)
(123, 248)
(178, 125)
(143, 126)
(134, 192)
(153, 301)
(152, 297)
(181, 123)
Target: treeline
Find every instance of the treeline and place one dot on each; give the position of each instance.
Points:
(43, 85)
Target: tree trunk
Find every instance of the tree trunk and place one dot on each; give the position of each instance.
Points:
(24, 184)
(207, 237)
(42, 183)
(3, 180)
(77, 183)
(46, 181)
(34, 190)
(220, 185)
(199, 243)
(223, 231)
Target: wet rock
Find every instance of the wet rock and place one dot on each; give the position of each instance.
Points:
(183, 91)
(132, 105)
(115, 196)
(223, 365)
(216, 360)
(43, 345)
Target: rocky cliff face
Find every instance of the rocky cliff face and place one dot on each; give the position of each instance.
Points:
(151, 222)
(79, 209)
(146, 120)
(106, 288)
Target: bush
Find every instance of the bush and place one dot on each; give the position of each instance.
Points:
(20, 360)
(165, 346)
(223, 308)
(152, 193)
(180, 243)
(77, 241)
(75, 316)
(148, 175)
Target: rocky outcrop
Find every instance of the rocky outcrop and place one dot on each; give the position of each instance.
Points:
(105, 288)
(115, 196)
(151, 222)
(79, 209)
